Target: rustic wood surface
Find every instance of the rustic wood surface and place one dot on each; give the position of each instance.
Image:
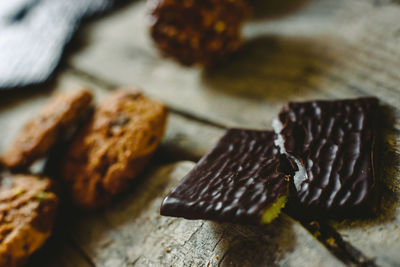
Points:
(323, 49)
(132, 232)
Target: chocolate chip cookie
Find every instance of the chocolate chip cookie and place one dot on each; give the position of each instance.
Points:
(113, 148)
(41, 132)
(27, 212)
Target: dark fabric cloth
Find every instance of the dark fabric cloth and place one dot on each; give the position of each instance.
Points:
(33, 34)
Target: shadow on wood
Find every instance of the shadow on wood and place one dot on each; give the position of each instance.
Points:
(13, 97)
(253, 245)
(272, 68)
(276, 8)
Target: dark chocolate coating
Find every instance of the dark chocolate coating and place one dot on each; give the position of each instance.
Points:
(198, 31)
(236, 182)
(335, 141)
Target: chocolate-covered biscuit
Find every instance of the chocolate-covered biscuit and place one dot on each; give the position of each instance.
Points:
(113, 147)
(332, 143)
(198, 31)
(27, 212)
(44, 130)
(239, 181)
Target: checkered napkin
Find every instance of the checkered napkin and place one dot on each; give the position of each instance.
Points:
(33, 34)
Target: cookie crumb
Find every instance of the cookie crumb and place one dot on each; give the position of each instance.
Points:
(331, 242)
(211, 37)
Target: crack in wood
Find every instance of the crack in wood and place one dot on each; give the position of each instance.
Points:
(91, 78)
(226, 253)
(334, 242)
(135, 261)
(197, 118)
(194, 233)
(219, 240)
(328, 236)
(111, 86)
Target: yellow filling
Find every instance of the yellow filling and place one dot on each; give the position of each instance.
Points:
(273, 212)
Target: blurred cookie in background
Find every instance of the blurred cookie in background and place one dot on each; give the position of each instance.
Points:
(201, 32)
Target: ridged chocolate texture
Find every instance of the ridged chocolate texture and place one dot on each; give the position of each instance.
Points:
(334, 141)
(198, 31)
(236, 182)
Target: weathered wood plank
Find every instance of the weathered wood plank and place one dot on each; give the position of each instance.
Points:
(285, 241)
(361, 52)
(325, 50)
(135, 60)
(131, 232)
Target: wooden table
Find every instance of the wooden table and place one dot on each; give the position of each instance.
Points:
(326, 49)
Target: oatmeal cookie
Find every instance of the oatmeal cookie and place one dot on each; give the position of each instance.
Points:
(113, 148)
(27, 212)
(42, 132)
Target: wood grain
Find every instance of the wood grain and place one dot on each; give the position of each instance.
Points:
(131, 232)
(327, 49)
